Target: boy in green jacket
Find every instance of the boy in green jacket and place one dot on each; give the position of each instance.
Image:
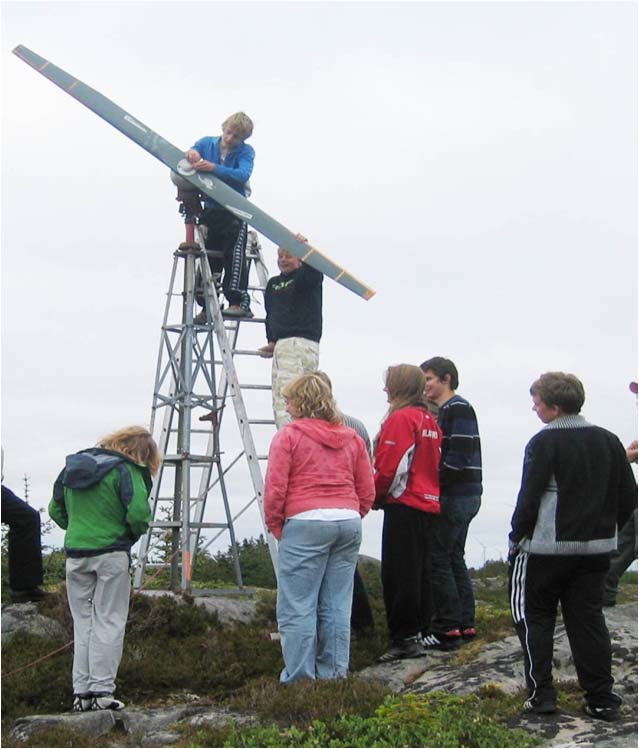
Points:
(101, 499)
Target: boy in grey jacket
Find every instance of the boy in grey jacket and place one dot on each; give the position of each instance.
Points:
(577, 489)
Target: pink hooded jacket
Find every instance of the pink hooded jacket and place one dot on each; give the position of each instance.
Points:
(314, 464)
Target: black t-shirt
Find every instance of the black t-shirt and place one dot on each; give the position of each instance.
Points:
(294, 305)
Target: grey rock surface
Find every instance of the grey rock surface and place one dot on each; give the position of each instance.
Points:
(149, 727)
(97, 723)
(160, 738)
(229, 609)
(141, 722)
(24, 617)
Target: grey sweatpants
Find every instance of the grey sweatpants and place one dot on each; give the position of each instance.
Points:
(98, 589)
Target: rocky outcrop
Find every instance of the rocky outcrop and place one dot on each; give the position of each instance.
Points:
(145, 727)
(24, 617)
(500, 663)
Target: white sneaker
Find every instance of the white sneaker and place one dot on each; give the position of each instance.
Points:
(106, 702)
(82, 703)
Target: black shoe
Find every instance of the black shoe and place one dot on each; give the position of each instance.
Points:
(540, 707)
(24, 596)
(200, 318)
(609, 714)
(411, 647)
(445, 641)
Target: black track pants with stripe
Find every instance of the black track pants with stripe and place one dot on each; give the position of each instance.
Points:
(538, 583)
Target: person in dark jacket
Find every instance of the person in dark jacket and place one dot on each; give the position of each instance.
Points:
(460, 478)
(407, 452)
(101, 499)
(626, 552)
(293, 302)
(577, 489)
(25, 547)
(230, 159)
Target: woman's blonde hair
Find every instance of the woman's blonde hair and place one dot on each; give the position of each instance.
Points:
(313, 398)
(405, 387)
(136, 443)
(241, 123)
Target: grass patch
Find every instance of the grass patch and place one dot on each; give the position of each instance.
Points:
(308, 700)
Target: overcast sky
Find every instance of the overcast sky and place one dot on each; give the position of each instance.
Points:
(475, 163)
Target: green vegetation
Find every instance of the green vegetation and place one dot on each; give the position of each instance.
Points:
(409, 720)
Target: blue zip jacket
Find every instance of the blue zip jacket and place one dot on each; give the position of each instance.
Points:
(238, 164)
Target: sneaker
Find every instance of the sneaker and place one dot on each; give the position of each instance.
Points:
(236, 311)
(25, 596)
(443, 641)
(469, 633)
(540, 707)
(106, 702)
(602, 713)
(411, 647)
(82, 702)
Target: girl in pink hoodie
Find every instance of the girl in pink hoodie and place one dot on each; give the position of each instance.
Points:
(319, 484)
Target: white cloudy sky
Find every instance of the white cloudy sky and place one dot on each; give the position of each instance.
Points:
(476, 163)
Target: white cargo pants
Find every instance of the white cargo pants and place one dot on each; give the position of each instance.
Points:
(292, 358)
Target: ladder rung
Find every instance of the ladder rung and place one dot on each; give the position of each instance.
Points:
(262, 457)
(256, 288)
(208, 525)
(261, 421)
(255, 387)
(192, 458)
(244, 319)
(243, 352)
(165, 524)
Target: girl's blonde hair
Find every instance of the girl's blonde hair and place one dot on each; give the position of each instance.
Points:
(136, 443)
(241, 123)
(405, 387)
(313, 398)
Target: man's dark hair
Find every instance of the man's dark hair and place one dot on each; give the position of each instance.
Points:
(560, 389)
(442, 367)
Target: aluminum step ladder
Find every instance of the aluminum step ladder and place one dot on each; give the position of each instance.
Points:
(196, 379)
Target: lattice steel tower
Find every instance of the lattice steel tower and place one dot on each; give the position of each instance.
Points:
(197, 379)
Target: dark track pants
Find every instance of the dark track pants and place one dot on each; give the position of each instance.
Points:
(406, 550)
(537, 585)
(25, 554)
(227, 234)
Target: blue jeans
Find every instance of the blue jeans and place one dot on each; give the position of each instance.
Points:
(316, 564)
(453, 598)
